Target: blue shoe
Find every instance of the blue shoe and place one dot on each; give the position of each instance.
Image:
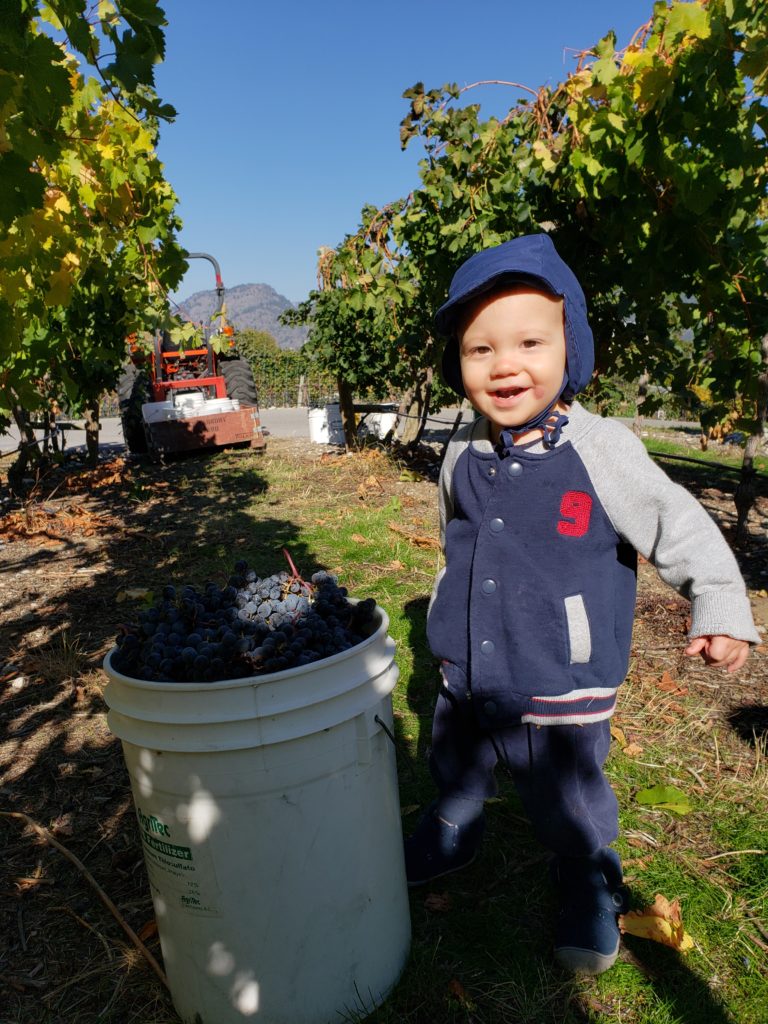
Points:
(438, 848)
(591, 898)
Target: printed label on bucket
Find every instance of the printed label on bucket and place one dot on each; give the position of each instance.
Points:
(182, 875)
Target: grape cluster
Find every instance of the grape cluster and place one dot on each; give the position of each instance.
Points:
(250, 627)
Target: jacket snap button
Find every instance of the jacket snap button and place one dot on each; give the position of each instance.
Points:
(489, 586)
(496, 525)
(515, 468)
(489, 707)
(487, 647)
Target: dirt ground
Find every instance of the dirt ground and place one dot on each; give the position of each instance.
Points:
(64, 561)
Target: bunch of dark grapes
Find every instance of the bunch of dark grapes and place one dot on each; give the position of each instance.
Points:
(250, 627)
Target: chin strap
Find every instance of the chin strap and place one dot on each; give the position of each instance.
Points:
(550, 420)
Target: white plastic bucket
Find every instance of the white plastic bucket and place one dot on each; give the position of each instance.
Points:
(270, 821)
(325, 426)
(318, 426)
(335, 425)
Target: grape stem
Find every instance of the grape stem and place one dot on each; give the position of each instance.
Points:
(293, 568)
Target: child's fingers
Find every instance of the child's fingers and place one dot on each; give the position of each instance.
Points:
(719, 651)
(696, 646)
(739, 658)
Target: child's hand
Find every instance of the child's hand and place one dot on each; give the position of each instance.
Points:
(719, 651)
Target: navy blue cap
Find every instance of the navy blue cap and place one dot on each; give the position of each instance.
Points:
(534, 261)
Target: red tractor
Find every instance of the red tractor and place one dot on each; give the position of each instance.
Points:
(174, 399)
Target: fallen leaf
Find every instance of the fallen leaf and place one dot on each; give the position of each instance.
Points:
(358, 538)
(395, 564)
(417, 539)
(148, 930)
(133, 594)
(408, 474)
(666, 798)
(662, 923)
(458, 992)
(408, 809)
(618, 735)
(668, 685)
(639, 862)
(632, 749)
(63, 825)
(677, 708)
(438, 902)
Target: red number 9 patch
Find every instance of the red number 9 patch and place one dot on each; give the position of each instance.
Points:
(575, 508)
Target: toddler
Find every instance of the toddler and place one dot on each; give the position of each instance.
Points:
(543, 507)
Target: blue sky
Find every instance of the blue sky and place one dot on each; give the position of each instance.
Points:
(289, 113)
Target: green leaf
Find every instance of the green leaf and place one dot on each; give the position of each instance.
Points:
(687, 18)
(666, 798)
(604, 71)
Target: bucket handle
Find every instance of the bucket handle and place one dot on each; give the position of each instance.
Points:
(398, 747)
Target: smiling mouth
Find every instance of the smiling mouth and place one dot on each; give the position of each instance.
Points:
(508, 392)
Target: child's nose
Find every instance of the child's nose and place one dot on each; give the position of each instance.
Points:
(507, 362)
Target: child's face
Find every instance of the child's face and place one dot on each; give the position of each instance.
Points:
(512, 349)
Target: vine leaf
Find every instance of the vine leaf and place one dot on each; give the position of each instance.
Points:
(662, 922)
(665, 798)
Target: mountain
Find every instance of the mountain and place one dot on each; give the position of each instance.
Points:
(248, 305)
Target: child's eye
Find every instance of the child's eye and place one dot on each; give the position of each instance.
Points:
(531, 342)
(477, 350)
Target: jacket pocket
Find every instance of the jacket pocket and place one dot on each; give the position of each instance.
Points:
(579, 635)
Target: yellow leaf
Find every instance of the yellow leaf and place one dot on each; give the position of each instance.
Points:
(62, 204)
(636, 58)
(542, 152)
(133, 594)
(704, 394)
(618, 735)
(663, 922)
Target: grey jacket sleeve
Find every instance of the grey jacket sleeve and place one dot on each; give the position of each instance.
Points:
(445, 495)
(666, 525)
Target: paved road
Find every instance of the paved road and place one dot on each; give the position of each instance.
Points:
(279, 422)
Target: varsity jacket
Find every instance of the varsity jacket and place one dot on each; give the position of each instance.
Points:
(532, 614)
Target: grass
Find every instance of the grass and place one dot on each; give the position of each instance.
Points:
(481, 951)
(719, 455)
(485, 956)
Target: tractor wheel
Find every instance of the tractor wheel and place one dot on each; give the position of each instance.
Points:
(132, 393)
(238, 377)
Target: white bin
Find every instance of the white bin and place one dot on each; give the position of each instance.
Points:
(325, 425)
(270, 821)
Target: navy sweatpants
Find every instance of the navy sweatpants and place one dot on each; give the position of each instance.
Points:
(557, 771)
